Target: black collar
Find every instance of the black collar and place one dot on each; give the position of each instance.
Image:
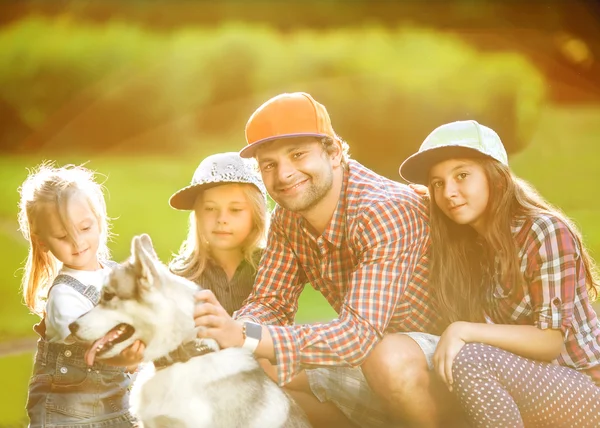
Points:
(183, 353)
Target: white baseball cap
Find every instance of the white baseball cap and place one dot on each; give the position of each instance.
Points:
(465, 138)
(214, 170)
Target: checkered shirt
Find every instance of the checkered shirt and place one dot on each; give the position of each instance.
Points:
(554, 293)
(370, 264)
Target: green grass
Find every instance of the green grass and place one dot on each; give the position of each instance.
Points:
(13, 395)
(561, 162)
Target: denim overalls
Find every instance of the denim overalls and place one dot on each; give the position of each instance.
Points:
(65, 393)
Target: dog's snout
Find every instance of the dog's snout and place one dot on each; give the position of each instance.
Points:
(74, 327)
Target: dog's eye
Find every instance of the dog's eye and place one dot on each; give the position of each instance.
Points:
(108, 296)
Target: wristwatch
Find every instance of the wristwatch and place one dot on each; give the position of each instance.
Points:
(252, 333)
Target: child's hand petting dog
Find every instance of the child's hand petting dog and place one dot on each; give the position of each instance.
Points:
(130, 357)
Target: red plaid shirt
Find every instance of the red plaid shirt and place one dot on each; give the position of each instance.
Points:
(554, 293)
(370, 264)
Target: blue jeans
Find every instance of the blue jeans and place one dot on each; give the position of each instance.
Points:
(65, 393)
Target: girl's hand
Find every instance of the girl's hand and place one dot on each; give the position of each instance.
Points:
(448, 348)
(129, 357)
(421, 190)
(214, 322)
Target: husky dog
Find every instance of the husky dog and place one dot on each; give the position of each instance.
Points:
(142, 299)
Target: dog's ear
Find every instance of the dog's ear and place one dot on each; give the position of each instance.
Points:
(143, 264)
(147, 244)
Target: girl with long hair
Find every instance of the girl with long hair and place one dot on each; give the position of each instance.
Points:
(62, 215)
(514, 283)
(227, 227)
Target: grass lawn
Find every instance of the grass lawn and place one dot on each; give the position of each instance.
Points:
(561, 162)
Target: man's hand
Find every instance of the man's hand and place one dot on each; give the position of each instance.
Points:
(447, 349)
(420, 190)
(215, 323)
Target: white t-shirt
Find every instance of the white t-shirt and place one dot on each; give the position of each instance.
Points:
(65, 304)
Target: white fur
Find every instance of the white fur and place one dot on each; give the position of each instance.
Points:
(159, 305)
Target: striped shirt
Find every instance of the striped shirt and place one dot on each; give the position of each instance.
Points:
(370, 264)
(230, 294)
(553, 294)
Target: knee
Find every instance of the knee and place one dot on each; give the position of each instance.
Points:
(395, 364)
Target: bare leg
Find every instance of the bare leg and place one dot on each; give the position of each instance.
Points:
(397, 372)
(325, 415)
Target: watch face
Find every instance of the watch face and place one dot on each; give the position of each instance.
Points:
(253, 330)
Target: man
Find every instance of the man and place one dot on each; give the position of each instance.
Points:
(358, 238)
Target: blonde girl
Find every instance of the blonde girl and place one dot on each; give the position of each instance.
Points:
(227, 227)
(512, 278)
(62, 215)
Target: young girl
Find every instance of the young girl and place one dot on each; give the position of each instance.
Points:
(63, 217)
(227, 227)
(514, 282)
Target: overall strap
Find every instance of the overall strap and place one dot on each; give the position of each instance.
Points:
(88, 291)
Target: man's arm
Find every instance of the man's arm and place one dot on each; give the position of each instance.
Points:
(278, 284)
(391, 241)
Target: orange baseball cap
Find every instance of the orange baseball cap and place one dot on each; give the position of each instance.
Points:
(287, 115)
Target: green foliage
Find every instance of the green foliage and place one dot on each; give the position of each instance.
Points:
(386, 87)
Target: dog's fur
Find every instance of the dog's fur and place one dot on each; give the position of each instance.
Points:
(225, 388)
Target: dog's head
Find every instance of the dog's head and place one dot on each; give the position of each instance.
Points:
(141, 299)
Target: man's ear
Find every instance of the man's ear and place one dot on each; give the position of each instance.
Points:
(336, 152)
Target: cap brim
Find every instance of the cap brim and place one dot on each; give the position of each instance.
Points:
(250, 150)
(184, 199)
(415, 169)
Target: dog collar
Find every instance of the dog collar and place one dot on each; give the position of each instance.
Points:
(183, 353)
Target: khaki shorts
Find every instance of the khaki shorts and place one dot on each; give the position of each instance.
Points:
(347, 388)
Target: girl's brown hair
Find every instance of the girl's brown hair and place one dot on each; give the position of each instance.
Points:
(460, 257)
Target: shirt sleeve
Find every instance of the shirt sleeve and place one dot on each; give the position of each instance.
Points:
(553, 273)
(390, 242)
(64, 306)
(278, 284)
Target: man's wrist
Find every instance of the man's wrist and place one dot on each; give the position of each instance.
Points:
(251, 334)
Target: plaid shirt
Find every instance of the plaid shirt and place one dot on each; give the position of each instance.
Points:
(554, 293)
(370, 264)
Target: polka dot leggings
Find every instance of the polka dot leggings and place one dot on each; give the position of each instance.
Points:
(499, 389)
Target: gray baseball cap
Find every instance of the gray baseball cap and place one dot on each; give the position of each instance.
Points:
(465, 138)
(214, 170)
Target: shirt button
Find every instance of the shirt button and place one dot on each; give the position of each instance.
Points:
(63, 370)
(67, 353)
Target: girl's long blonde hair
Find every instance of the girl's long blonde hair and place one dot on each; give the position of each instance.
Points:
(47, 184)
(458, 259)
(194, 253)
